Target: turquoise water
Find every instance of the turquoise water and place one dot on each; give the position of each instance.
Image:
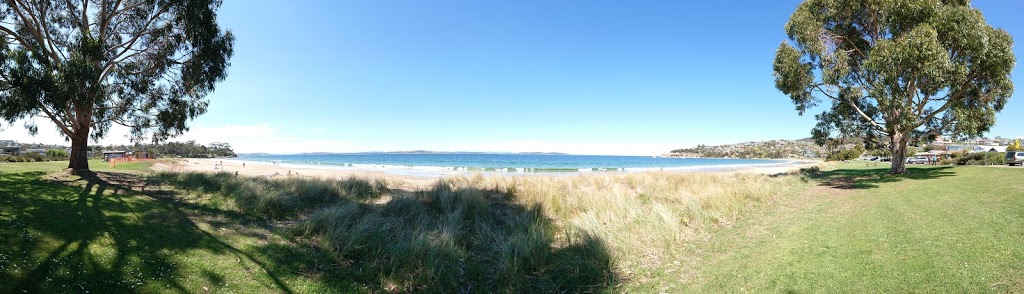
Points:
(463, 162)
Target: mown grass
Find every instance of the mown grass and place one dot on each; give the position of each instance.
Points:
(95, 165)
(939, 229)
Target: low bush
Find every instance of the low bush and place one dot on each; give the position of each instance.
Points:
(33, 157)
(978, 158)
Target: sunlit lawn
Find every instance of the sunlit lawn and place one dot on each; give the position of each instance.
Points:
(940, 229)
(95, 165)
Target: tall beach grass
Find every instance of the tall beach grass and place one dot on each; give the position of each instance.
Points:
(580, 233)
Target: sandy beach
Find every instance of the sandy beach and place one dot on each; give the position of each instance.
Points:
(399, 178)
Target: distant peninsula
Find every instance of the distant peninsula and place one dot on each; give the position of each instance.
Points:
(771, 149)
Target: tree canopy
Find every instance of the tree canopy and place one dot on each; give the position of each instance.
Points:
(895, 71)
(86, 65)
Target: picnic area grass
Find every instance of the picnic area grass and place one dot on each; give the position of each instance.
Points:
(938, 229)
(847, 228)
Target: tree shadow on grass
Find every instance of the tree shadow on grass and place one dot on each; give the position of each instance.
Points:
(872, 178)
(445, 239)
(96, 233)
(457, 240)
(118, 233)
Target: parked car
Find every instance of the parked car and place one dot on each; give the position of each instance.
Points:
(1014, 157)
(918, 160)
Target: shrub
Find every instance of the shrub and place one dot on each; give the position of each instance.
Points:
(33, 157)
(978, 158)
(56, 153)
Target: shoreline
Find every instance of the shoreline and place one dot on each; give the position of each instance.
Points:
(425, 176)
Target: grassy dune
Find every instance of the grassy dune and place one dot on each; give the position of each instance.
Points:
(581, 233)
(850, 228)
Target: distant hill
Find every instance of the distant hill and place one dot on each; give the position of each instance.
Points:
(772, 149)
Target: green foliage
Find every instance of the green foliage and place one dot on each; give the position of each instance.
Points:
(1015, 146)
(86, 65)
(910, 152)
(976, 158)
(56, 153)
(850, 154)
(188, 149)
(895, 70)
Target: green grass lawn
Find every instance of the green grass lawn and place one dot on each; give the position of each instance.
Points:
(940, 229)
(95, 165)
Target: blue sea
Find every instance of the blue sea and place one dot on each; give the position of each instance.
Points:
(448, 163)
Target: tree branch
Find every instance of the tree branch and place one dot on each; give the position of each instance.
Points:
(855, 107)
(61, 125)
(16, 36)
(32, 25)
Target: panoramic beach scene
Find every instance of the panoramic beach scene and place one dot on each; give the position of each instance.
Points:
(797, 146)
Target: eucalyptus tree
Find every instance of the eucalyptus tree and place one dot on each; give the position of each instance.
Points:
(894, 71)
(85, 65)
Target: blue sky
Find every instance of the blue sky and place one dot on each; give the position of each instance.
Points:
(583, 77)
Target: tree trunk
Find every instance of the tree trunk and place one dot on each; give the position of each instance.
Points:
(79, 160)
(898, 146)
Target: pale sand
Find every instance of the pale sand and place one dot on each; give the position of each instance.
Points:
(270, 170)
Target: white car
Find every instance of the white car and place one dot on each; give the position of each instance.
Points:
(1013, 157)
(918, 160)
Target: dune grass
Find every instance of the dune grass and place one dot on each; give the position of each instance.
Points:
(581, 233)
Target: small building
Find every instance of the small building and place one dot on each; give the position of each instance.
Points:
(145, 154)
(36, 151)
(958, 147)
(993, 148)
(10, 150)
(107, 155)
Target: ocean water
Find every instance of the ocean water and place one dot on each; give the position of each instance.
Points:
(444, 163)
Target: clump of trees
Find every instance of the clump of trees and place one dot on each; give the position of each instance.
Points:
(848, 154)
